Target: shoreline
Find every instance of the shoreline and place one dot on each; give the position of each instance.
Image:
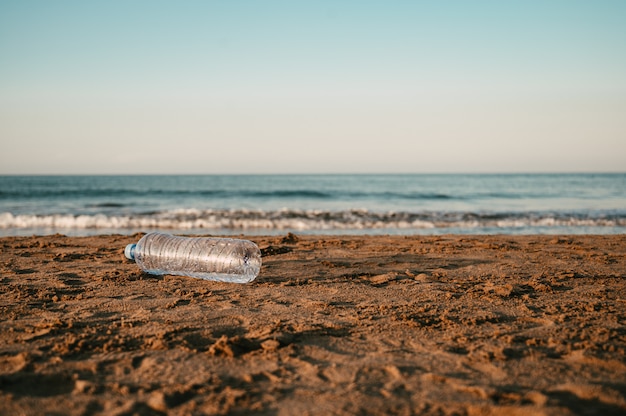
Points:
(334, 324)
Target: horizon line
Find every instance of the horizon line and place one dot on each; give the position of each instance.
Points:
(598, 172)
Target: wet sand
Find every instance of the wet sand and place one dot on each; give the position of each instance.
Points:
(473, 325)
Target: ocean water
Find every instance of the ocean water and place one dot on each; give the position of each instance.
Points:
(323, 204)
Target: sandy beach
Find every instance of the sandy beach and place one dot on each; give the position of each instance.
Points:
(474, 325)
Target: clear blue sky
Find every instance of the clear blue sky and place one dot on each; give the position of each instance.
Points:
(312, 86)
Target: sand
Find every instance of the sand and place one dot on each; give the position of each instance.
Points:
(472, 325)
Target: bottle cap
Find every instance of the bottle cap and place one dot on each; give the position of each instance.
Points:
(129, 251)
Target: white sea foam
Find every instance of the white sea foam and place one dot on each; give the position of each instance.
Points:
(299, 220)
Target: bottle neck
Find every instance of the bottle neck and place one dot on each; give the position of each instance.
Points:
(129, 251)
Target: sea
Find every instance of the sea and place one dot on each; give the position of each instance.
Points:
(406, 204)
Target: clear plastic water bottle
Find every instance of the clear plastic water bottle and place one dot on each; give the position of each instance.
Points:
(219, 259)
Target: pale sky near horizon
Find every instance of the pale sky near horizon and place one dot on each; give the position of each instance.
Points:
(115, 87)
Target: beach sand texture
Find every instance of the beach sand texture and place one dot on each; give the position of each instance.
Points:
(332, 325)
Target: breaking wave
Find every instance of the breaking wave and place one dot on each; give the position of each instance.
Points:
(307, 220)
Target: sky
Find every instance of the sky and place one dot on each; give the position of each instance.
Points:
(212, 87)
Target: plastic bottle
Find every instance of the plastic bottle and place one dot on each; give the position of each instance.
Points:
(219, 259)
